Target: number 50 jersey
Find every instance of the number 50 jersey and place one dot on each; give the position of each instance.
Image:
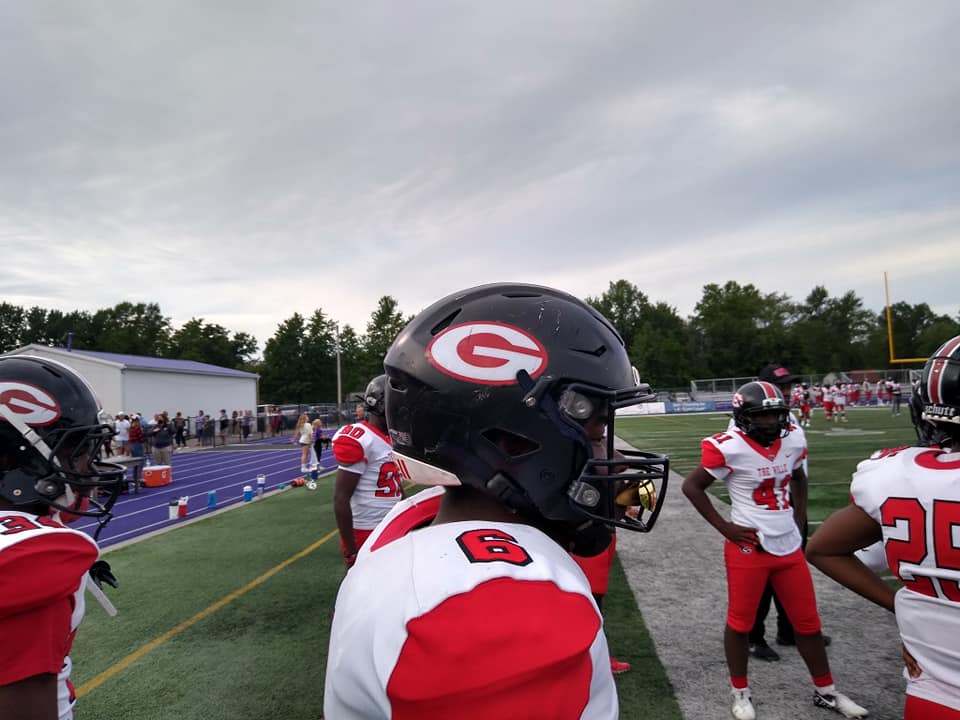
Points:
(364, 450)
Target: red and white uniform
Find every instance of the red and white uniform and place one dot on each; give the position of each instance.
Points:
(43, 568)
(364, 450)
(914, 493)
(840, 395)
(472, 620)
(758, 481)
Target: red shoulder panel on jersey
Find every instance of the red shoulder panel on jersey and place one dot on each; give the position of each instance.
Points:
(413, 517)
(347, 451)
(527, 644)
(41, 569)
(710, 455)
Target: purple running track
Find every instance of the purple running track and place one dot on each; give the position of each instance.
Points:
(195, 475)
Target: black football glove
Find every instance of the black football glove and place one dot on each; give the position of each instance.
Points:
(100, 572)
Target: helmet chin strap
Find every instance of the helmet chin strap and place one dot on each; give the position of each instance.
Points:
(28, 434)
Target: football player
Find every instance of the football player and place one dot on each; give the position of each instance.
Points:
(761, 463)
(367, 485)
(909, 498)
(839, 402)
(805, 405)
(51, 436)
(464, 602)
(778, 375)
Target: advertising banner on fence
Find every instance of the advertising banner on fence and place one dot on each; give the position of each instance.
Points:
(654, 408)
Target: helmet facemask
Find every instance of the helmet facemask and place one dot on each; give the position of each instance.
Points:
(623, 488)
(60, 469)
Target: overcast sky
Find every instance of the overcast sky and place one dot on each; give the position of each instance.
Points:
(240, 161)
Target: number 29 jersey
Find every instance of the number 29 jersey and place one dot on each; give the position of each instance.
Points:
(361, 448)
(758, 481)
(471, 620)
(914, 493)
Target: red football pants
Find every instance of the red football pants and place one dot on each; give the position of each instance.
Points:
(920, 709)
(359, 537)
(748, 571)
(597, 568)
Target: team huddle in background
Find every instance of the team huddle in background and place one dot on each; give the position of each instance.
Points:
(834, 398)
(469, 599)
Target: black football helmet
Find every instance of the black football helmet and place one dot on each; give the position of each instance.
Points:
(760, 397)
(940, 388)
(51, 433)
(374, 394)
(491, 388)
(929, 433)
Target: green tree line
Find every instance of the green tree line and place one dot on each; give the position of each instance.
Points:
(737, 329)
(734, 330)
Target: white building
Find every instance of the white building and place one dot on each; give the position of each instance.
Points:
(147, 385)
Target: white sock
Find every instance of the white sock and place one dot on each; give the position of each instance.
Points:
(830, 689)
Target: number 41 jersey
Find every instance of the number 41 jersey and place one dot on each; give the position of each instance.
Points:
(362, 449)
(474, 620)
(914, 493)
(758, 480)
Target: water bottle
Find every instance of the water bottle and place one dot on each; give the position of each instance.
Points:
(247, 493)
(212, 500)
(174, 509)
(261, 485)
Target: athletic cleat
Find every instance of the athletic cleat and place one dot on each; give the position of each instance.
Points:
(617, 667)
(762, 651)
(839, 702)
(742, 707)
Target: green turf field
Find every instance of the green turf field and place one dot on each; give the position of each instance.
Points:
(258, 653)
(228, 618)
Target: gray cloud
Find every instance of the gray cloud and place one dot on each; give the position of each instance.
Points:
(240, 162)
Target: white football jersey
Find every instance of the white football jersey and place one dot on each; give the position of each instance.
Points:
(473, 619)
(758, 481)
(914, 493)
(28, 544)
(362, 449)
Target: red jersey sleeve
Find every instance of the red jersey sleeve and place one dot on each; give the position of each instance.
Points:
(347, 451)
(38, 578)
(528, 646)
(42, 569)
(710, 455)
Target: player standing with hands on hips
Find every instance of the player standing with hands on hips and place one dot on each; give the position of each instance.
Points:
(51, 434)
(761, 463)
(909, 498)
(464, 602)
(367, 485)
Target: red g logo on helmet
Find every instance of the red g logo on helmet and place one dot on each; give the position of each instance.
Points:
(34, 406)
(489, 353)
(737, 400)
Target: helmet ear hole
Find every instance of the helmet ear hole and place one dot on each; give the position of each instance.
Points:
(510, 444)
